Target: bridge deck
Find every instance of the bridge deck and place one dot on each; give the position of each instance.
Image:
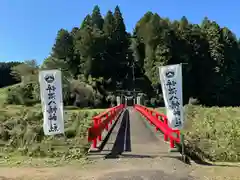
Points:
(136, 138)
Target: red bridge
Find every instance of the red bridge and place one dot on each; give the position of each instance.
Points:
(134, 142)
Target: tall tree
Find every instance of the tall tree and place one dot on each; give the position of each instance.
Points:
(63, 47)
(109, 24)
(122, 43)
(89, 44)
(96, 17)
(119, 25)
(108, 53)
(86, 22)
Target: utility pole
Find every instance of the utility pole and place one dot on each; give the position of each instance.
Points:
(134, 60)
(133, 79)
(133, 74)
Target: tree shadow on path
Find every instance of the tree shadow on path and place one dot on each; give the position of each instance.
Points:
(123, 139)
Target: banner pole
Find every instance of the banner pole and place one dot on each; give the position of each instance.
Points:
(181, 133)
(183, 147)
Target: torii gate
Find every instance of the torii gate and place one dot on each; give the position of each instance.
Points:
(128, 97)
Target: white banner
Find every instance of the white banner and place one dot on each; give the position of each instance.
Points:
(51, 99)
(171, 82)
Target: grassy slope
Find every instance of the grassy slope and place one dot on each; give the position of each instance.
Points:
(21, 133)
(213, 132)
(21, 136)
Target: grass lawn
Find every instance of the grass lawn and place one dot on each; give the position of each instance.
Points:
(213, 133)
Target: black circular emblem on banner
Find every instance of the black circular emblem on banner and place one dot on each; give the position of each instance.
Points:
(49, 78)
(169, 73)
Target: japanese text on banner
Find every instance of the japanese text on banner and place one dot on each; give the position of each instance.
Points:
(171, 83)
(51, 99)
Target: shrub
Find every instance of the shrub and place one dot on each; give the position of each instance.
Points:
(22, 95)
(15, 95)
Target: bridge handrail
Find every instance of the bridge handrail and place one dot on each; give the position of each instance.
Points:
(160, 124)
(101, 122)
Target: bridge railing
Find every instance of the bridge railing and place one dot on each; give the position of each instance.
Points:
(160, 122)
(102, 122)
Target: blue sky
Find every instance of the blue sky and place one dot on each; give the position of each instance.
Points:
(28, 27)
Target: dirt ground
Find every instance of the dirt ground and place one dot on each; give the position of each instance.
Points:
(157, 168)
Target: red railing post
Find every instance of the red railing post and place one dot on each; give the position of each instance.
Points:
(114, 113)
(95, 123)
(95, 143)
(171, 143)
(100, 135)
(157, 116)
(177, 133)
(112, 117)
(107, 123)
(165, 122)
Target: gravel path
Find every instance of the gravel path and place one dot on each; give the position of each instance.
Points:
(137, 154)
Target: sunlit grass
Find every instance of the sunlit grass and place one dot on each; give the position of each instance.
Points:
(214, 131)
(21, 134)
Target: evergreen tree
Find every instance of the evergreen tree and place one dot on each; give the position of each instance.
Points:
(96, 17)
(122, 43)
(108, 26)
(63, 49)
(87, 22)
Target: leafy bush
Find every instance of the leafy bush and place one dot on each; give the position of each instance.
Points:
(82, 93)
(14, 95)
(78, 93)
(21, 95)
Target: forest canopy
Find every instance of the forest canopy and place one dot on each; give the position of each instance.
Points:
(99, 57)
